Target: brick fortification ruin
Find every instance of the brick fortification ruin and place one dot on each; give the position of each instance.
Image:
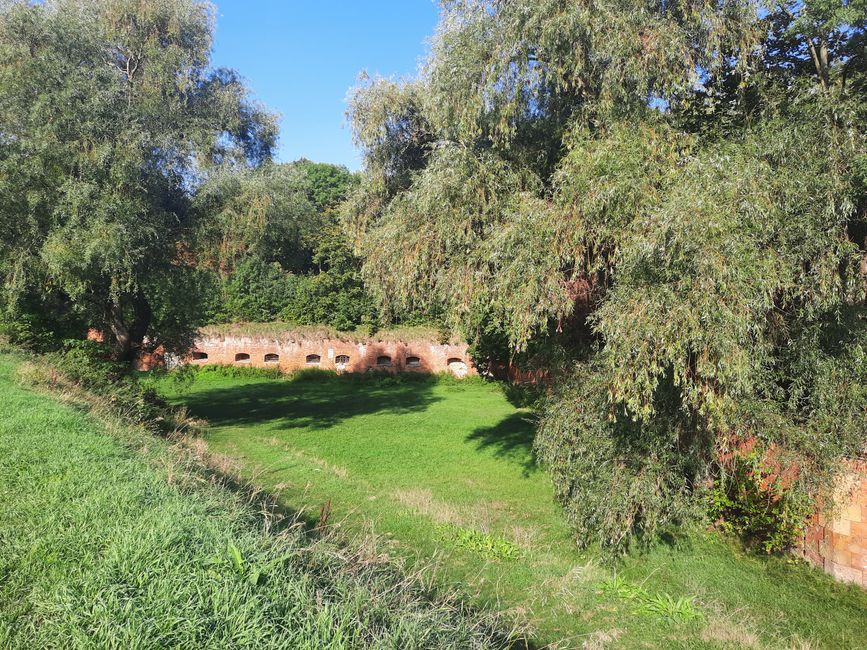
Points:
(332, 354)
(838, 544)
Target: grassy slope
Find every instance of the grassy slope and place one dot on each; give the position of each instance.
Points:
(401, 458)
(114, 541)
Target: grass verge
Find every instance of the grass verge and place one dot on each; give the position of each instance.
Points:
(113, 538)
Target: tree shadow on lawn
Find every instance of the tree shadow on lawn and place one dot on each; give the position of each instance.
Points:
(511, 438)
(310, 402)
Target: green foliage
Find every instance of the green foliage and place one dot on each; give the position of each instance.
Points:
(669, 199)
(110, 111)
(86, 366)
(616, 477)
(336, 294)
(258, 291)
(749, 502)
(495, 548)
(274, 239)
(661, 605)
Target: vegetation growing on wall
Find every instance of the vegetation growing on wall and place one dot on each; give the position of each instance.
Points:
(672, 196)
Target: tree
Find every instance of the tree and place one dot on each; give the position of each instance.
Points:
(669, 195)
(110, 114)
(274, 236)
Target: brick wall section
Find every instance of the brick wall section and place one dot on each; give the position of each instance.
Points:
(839, 544)
(289, 355)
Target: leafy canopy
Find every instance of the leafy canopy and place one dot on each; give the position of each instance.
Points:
(110, 114)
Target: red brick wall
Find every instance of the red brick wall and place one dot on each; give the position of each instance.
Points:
(838, 543)
(364, 356)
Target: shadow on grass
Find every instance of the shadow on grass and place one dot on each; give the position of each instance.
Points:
(510, 438)
(312, 401)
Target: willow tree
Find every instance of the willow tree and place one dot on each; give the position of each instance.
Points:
(670, 194)
(109, 115)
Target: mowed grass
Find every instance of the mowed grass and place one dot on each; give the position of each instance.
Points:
(111, 538)
(443, 470)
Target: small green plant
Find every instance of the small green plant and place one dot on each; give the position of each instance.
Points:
(661, 606)
(746, 502)
(488, 545)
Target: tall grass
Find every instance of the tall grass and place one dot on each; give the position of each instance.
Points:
(112, 538)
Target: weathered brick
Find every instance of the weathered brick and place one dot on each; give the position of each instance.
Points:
(841, 526)
(842, 557)
(844, 573)
(858, 561)
(333, 354)
(859, 530)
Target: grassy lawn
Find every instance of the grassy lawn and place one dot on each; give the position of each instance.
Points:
(442, 470)
(112, 538)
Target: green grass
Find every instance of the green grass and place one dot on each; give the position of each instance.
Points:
(112, 538)
(292, 332)
(443, 469)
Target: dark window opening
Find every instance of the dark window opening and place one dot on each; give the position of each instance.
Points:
(313, 359)
(242, 356)
(272, 358)
(341, 360)
(200, 356)
(383, 361)
(413, 361)
(455, 361)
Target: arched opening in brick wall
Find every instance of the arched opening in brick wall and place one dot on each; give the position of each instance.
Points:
(458, 367)
(383, 361)
(313, 360)
(241, 357)
(413, 362)
(341, 359)
(272, 358)
(200, 356)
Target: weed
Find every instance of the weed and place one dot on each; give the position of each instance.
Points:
(492, 547)
(660, 606)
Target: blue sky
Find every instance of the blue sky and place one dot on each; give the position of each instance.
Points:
(301, 56)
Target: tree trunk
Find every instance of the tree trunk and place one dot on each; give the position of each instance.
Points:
(129, 336)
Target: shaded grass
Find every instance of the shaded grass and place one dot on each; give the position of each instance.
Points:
(402, 459)
(111, 538)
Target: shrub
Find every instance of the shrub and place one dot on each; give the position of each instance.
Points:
(617, 478)
(85, 365)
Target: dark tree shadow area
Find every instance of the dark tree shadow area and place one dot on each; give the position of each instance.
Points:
(511, 437)
(310, 402)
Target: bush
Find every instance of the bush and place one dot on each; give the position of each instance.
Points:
(619, 479)
(87, 366)
(757, 500)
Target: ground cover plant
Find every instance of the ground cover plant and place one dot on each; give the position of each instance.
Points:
(444, 469)
(111, 538)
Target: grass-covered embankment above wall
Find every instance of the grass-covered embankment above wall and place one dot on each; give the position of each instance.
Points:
(111, 537)
(291, 332)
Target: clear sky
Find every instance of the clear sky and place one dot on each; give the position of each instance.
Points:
(300, 57)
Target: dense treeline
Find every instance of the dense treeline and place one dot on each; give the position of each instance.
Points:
(667, 203)
(137, 190)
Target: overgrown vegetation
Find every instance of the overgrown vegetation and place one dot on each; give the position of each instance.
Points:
(665, 205)
(113, 538)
